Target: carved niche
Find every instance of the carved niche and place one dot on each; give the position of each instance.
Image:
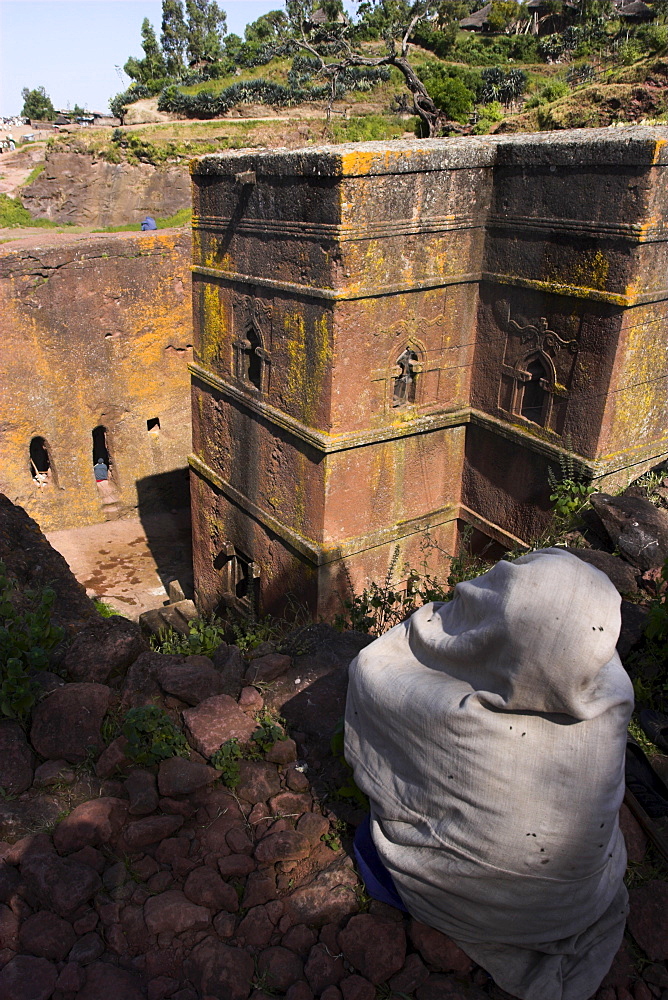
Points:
(252, 329)
(530, 388)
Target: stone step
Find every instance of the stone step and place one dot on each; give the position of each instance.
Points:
(177, 616)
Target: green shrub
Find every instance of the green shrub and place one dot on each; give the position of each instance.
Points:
(152, 736)
(13, 215)
(489, 115)
(551, 91)
(204, 637)
(26, 637)
(226, 760)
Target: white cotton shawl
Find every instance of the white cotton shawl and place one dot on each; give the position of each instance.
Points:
(489, 733)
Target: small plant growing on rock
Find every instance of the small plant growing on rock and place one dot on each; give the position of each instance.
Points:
(152, 736)
(204, 637)
(570, 491)
(226, 760)
(26, 637)
(267, 733)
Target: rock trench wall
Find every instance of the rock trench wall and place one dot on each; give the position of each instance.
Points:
(77, 187)
(95, 333)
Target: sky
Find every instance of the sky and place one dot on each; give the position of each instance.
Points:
(72, 47)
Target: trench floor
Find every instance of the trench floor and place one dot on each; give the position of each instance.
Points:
(130, 562)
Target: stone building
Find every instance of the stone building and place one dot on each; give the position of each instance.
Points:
(95, 338)
(394, 340)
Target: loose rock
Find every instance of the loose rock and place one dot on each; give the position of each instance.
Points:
(218, 970)
(172, 911)
(16, 758)
(91, 824)
(215, 721)
(67, 722)
(105, 647)
(377, 948)
(647, 919)
(193, 681)
(27, 978)
(178, 776)
(46, 935)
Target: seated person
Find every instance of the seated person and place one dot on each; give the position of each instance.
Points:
(489, 734)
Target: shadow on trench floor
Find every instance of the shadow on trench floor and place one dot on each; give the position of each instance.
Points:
(129, 563)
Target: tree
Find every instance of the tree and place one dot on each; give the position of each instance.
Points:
(37, 104)
(336, 43)
(207, 24)
(152, 66)
(503, 14)
(174, 36)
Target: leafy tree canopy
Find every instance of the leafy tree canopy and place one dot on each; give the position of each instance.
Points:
(37, 104)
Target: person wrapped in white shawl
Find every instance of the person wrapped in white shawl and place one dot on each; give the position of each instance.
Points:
(489, 734)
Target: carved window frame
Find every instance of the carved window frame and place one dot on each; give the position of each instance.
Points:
(235, 567)
(252, 325)
(522, 376)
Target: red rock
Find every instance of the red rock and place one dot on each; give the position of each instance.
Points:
(219, 970)
(286, 846)
(142, 792)
(331, 993)
(440, 987)
(235, 865)
(143, 832)
(87, 949)
(357, 988)
(299, 939)
(641, 991)
(103, 648)
(299, 991)
(238, 840)
(413, 975)
(175, 808)
(205, 887)
(85, 923)
(296, 780)
(9, 882)
(290, 804)
(27, 978)
(113, 759)
(214, 834)
(171, 849)
(622, 968)
(178, 776)
(9, 928)
(322, 969)
(66, 724)
(193, 681)
(329, 898)
(91, 857)
(29, 848)
(258, 780)
(256, 928)
(16, 758)
(313, 826)
(635, 839)
(260, 888)
(283, 752)
(109, 982)
(266, 669)
(647, 923)
(274, 909)
(71, 978)
(224, 924)
(159, 882)
(437, 949)
(161, 987)
(280, 967)
(172, 911)
(47, 936)
(214, 721)
(135, 930)
(59, 883)
(250, 700)
(91, 824)
(377, 948)
(53, 772)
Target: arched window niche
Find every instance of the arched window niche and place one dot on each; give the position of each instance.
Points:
(535, 387)
(404, 389)
(40, 464)
(251, 359)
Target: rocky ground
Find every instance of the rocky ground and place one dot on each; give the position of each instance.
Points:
(133, 881)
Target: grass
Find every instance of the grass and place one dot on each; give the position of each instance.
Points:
(14, 216)
(180, 218)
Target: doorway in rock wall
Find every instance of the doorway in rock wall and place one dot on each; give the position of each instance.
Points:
(41, 469)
